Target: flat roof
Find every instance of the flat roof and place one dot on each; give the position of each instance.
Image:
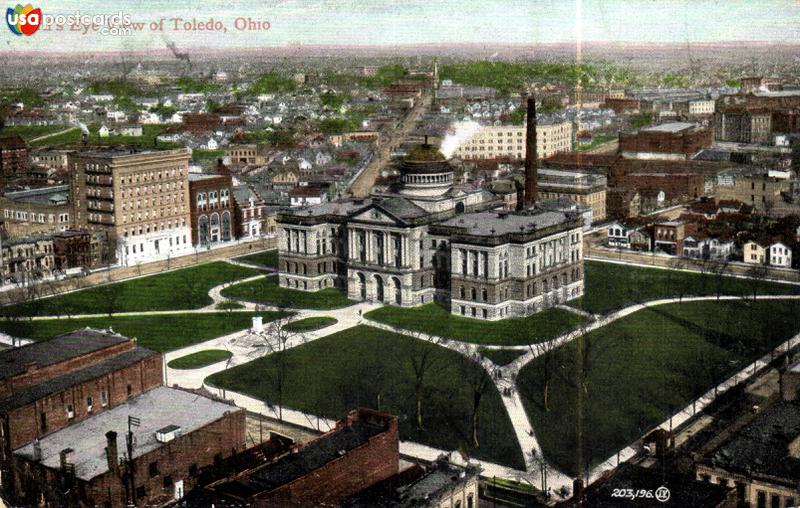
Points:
(672, 127)
(62, 347)
(156, 409)
(496, 224)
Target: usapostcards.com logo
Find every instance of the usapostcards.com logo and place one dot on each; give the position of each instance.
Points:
(23, 20)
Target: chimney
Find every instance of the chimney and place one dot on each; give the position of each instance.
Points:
(530, 155)
(63, 456)
(111, 451)
(577, 490)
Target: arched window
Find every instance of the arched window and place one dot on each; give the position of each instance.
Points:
(214, 228)
(397, 293)
(202, 229)
(226, 226)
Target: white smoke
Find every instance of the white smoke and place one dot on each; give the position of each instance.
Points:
(457, 134)
(84, 129)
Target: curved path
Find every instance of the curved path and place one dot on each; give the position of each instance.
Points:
(503, 376)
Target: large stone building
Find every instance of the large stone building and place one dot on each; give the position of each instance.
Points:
(583, 188)
(743, 125)
(427, 239)
(38, 210)
(140, 198)
(508, 141)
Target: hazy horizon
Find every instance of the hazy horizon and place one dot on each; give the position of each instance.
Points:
(429, 22)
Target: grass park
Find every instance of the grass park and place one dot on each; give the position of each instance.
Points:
(183, 289)
(266, 291)
(267, 258)
(623, 379)
(200, 359)
(367, 367)
(159, 332)
(434, 319)
(610, 286)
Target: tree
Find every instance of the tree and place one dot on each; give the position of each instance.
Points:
(719, 271)
(543, 351)
(422, 359)
(756, 276)
(275, 339)
(479, 383)
(538, 466)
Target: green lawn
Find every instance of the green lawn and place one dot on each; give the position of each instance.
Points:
(158, 332)
(146, 140)
(186, 288)
(266, 291)
(268, 258)
(359, 366)
(501, 356)
(642, 368)
(310, 324)
(436, 320)
(200, 359)
(198, 155)
(610, 286)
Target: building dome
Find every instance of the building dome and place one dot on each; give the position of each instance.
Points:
(425, 172)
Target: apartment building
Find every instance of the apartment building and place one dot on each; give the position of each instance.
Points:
(508, 141)
(141, 198)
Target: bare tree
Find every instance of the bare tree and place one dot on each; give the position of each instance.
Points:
(422, 358)
(719, 271)
(479, 383)
(539, 467)
(275, 339)
(547, 362)
(757, 274)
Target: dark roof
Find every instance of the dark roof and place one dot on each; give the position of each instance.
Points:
(762, 446)
(58, 349)
(401, 208)
(21, 398)
(12, 143)
(307, 459)
(683, 492)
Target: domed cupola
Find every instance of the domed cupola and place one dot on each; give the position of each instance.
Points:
(425, 172)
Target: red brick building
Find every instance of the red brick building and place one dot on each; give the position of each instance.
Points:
(623, 105)
(173, 435)
(212, 208)
(359, 452)
(62, 399)
(200, 122)
(786, 121)
(676, 140)
(13, 156)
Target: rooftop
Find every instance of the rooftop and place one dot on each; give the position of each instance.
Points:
(762, 446)
(58, 349)
(494, 224)
(307, 459)
(157, 409)
(673, 127)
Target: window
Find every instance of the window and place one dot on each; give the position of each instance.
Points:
(141, 492)
(43, 422)
(167, 481)
(130, 390)
(152, 469)
(70, 411)
(104, 398)
(89, 403)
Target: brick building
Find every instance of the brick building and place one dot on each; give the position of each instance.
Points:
(743, 125)
(212, 208)
(508, 141)
(97, 462)
(73, 249)
(359, 452)
(200, 122)
(26, 259)
(139, 198)
(676, 140)
(13, 157)
(786, 121)
(623, 105)
(51, 384)
(253, 217)
(64, 401)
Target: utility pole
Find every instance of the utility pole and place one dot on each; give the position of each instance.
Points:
(132, 422)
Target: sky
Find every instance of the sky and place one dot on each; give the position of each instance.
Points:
(388, 22)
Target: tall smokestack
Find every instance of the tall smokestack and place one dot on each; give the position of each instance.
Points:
(531, 155)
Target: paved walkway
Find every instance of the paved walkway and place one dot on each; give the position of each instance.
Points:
(503, 376)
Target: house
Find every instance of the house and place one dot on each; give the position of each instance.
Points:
(116, 116)
(669, 237)
(701, 246)
(129, 130)
(754, 253)
(306, 196)
(104, 131)
(778, 254)
(633, 235)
